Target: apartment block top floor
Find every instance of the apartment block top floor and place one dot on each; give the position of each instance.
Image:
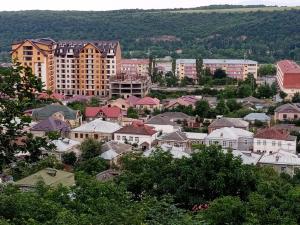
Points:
(289, 66)
(230, 61)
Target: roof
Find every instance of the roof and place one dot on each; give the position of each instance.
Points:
(248, 158)
(229, 133)
(135, 61)
(176, 152)
(148, 101)
(253, 100)
(195, 136)
(49, 110)
(63, 145)
(117, 147)
(280, 158)
(109, 154)
(257, 116)
(176, 115)
(107, 175)
(228, 61)
(131, 100)
(289, 66)
(185, 61)
(160, 120)
(79, 98)
(229, 122)
(289, 127)
(51, 96)
(137, 128)
(184, 100)
(109, 112)
(288, 108)
(61, 177)
(174, 136)
(51, 124)
(275, 134)
(98, 126)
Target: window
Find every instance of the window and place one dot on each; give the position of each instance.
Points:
(81, 135)
(130, 138)
(284, 116)
(136, 139)
(246, 142)
(76, 135)
(96, 136)
(123, 138)
(224, 143)
(86, 136)
(295, 116)
(273, 143)
(279, 143)
(264, 142)
(118, 137)
(283, 168)
(258, 142)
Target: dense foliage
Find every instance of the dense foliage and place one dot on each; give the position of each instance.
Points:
(262, 36)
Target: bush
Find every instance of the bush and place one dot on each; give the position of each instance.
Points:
(69, 158)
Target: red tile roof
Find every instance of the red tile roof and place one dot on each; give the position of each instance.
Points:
(272, 133)
(109, 112)
(289, 66)
(131, 100)
(137, 128)
(291, 73)
(148, 101)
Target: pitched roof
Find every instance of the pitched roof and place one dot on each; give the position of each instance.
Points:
(280, 158)
(254, 100)
(109, 112)
(117, 147)
(229, 122)
(176, 115)
(275, 134)
(51, 96)
(195, 136)
(257, 116)
(137, 128)
(148, 101)
(228, 61)
(63, 145)
(49, 110)
(248, 157)
(174, 136)
(107, 175)
(160, 120)
(51, 124)
(229, 133)
(289, 66)
(98, 126)
(292, 108)
(131, 100)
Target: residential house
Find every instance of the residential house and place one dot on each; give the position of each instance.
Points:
(113, 151)
(137, 133)
(281, 161)
(262, 117)
(97, 129)
(50, 125)
(107, 175)
(59, 112)
(176, 152)
(228, 122)
(148, 103)
(247, 157)
(254, 103)
(51, 177)
(287, 112)
(121, 103)
(162, 124)
(182, 101)
(106, 113)
(271, 140)
(232, 138)
(65, 145)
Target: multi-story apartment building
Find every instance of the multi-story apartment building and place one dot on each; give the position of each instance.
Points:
(164, 65)
(134, 67)
(234, 68)
(186, 68)
(288, 77)
(38, 54)
(72, 67)
(85, 67)
(126, 85)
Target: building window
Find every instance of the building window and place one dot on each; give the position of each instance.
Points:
(258, 142)
(136, 139)
(130, 138)
(279, 143)
(76, 135)
(224, 143)
(86, 136)
(273, 143)
(284, 116)
(123, 138)
(264, 142)
(283, 169)
(96, 136)
(118, 137)
(246, 142)
(81, 135)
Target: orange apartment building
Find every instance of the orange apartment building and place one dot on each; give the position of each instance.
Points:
(38, 54)
(76, 67)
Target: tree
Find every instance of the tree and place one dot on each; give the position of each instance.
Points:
(225, 210)
(90, 148)
(171, 81)
(94, 101)
(199, 69)
(267, 69)
(219, 74)
(244, 90)
(221, 108)
(202, 108)
(233, 105)
(132, 113)
(250, 80)
(264, 91)
(69, 158)
(92, 166)
(296, 97)
(174, 66)
(282, 94)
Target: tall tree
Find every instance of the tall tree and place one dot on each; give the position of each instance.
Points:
(199, 69)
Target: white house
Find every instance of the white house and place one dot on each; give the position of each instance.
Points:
(230, 137)
(137, 133)
(282, 162)
(163, 124)
(65, 145)
(272, 140)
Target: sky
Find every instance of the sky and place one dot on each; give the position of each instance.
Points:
(99, 5)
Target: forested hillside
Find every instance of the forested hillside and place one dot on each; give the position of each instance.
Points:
(260, 35)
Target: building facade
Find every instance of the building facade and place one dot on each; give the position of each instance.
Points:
(234, 68)
(186, 68)
(288, 77)
(37, 54)
(134, 67)
(287, 112)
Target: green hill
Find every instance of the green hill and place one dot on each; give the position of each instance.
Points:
(265, 34)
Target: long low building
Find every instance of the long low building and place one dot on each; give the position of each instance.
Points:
(234, 68)
(288, 77)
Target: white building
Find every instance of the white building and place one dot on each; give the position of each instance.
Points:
(271, 140)
(137, 133)
(248, 157)
(63, 146)
(163, 124)
(96, 129)
(232, 138)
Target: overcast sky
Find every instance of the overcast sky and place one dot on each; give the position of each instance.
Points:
(8, 5)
